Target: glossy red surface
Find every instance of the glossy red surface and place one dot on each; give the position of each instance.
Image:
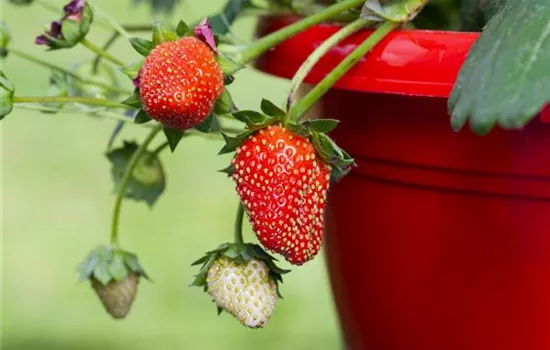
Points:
(437, 240)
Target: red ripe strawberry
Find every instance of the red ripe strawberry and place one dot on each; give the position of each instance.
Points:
(180, 82)
(282, 185)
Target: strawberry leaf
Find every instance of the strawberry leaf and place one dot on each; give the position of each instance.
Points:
(321, 125)
(6, 96)
(505, 80)
(162, 33)
(105, 265)
(298, 129)
(134, 100)
(173, 136)
(233, 142)
(225, 104)
(221, 23)
(116, 268)
(142, 46)
(183, 29)
(206, 125)
(132, 263)
(228, 170)
(147, 182)
(254, 120)
(132, 70)
(272, 110)
(142, 117)
(159, 5)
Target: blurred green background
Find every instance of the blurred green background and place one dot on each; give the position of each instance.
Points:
(56, 205)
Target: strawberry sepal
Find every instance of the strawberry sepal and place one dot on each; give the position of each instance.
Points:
(240, 253)
(105, 264)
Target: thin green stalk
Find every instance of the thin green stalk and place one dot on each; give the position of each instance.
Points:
(70, 99)
(319, 52)
(106, 46)
(239, 224)
(66, 71)
(98, 51)
(159, 149)
(126, 179)
(120, 29)
(322, 87)
(46, 5)
(269, 41)
(99, 112)
(138, 27)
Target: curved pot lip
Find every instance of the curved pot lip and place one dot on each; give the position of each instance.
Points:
(410, 62)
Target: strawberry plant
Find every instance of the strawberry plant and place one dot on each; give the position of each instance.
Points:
(283, 163)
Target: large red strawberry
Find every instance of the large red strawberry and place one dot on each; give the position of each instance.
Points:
(283, 184)
(179, 82)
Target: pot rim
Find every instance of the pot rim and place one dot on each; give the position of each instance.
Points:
(409, 62)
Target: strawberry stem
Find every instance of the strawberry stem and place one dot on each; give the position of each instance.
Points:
(126, 180)
(267, 42)
(116, 26)
(322, 87)
(73, 75)
(159, 149)
(70, 99)
(98, 51)
(239, 224)
(319, 52)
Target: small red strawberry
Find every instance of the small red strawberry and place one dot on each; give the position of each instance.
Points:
(283, 184)
(179, 82)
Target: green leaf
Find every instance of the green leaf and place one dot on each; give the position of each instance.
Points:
(132, 262)
(183, 29)
(206, 125)
(102, 274)
(6, 95)
(148, 180)
(272, 110)
(157, 6)
(134, 100)
(253, 120)
(505, 79)
(59, 85)
(142, 117)
(142, 46)
(233, 142)
(131, 71)
(5, 38)
(227, 65)
(117, 269)
(163, 32)
(392, 10)
(321, 125)
(224, 104)
(298, 129)
(228, 170)
(221, 23)
(173, 136)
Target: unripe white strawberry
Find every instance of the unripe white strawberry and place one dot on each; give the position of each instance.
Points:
(243, 289)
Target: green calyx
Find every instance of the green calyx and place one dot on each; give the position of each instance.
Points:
(72, 30)
(106, 264)
(7, 89)
(240, 253)
(314, 130)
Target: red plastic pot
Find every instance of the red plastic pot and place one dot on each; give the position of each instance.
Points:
(437, 240)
